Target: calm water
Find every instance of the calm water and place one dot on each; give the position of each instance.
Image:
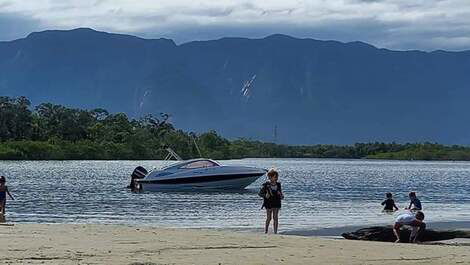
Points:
(319, 193)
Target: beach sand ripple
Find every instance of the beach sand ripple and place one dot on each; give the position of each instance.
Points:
(139, 245)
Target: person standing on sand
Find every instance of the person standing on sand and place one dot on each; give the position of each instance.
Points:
(271, 192)
(3, 195)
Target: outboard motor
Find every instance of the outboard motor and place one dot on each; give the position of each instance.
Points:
(138, 173)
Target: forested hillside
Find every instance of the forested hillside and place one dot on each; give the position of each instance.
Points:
(49, 131)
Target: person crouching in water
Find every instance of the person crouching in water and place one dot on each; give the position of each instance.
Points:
(415, 202)
(389, 203)
(271, 192)
(415, 221)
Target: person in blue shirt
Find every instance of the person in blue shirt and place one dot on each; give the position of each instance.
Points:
(415, 202)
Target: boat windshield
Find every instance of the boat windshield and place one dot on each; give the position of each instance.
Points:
(200, 164)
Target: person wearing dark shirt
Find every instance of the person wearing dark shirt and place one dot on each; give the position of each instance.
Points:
(389, 203)
(271, 192)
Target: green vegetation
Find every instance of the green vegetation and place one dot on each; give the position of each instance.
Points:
(427, 151)
(55, 132)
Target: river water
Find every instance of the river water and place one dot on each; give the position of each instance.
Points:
(319, 193)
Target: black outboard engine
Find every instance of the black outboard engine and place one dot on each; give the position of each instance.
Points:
(138, 173)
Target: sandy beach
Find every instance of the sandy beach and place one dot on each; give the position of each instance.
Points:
(120, 244)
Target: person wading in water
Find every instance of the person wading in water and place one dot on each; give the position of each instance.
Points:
(271, 192)
(3, 195)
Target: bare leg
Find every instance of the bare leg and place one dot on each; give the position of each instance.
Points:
(2, 206)
(2, 211)
(396, 231)
(268, 220)
(275, 219)
(416, 231)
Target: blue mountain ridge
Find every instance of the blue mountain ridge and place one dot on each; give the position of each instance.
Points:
(313, 91)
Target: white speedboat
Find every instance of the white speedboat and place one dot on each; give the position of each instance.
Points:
(199, 174)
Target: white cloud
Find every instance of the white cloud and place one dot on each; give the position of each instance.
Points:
(403, 24)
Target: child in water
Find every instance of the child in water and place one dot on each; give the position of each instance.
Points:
(389, 203)
(415, 202)
(3, 195)
(271, 192)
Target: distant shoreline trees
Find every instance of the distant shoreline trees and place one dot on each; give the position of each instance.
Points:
(55, 132)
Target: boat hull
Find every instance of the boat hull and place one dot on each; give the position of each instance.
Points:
(217, 182)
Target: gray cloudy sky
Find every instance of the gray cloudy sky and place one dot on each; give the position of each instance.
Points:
(396, 24)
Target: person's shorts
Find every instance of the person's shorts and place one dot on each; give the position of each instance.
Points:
(397, 226)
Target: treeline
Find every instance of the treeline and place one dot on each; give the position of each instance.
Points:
(55, 132)
(426, 151)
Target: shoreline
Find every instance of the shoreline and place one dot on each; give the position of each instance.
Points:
(242, 158)
(327, 232)
(337, 231)
(125, 244)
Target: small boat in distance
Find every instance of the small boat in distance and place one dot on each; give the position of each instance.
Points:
(198, 174)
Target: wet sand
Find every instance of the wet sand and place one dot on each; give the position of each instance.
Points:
(120, 244)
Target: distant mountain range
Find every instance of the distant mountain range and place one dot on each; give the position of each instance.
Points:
(312, 91)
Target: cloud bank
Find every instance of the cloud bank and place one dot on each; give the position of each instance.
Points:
(395, 24)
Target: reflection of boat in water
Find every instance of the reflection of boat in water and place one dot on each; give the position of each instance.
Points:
(198, 174)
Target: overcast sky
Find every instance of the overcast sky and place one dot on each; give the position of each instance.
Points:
(395, 24)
